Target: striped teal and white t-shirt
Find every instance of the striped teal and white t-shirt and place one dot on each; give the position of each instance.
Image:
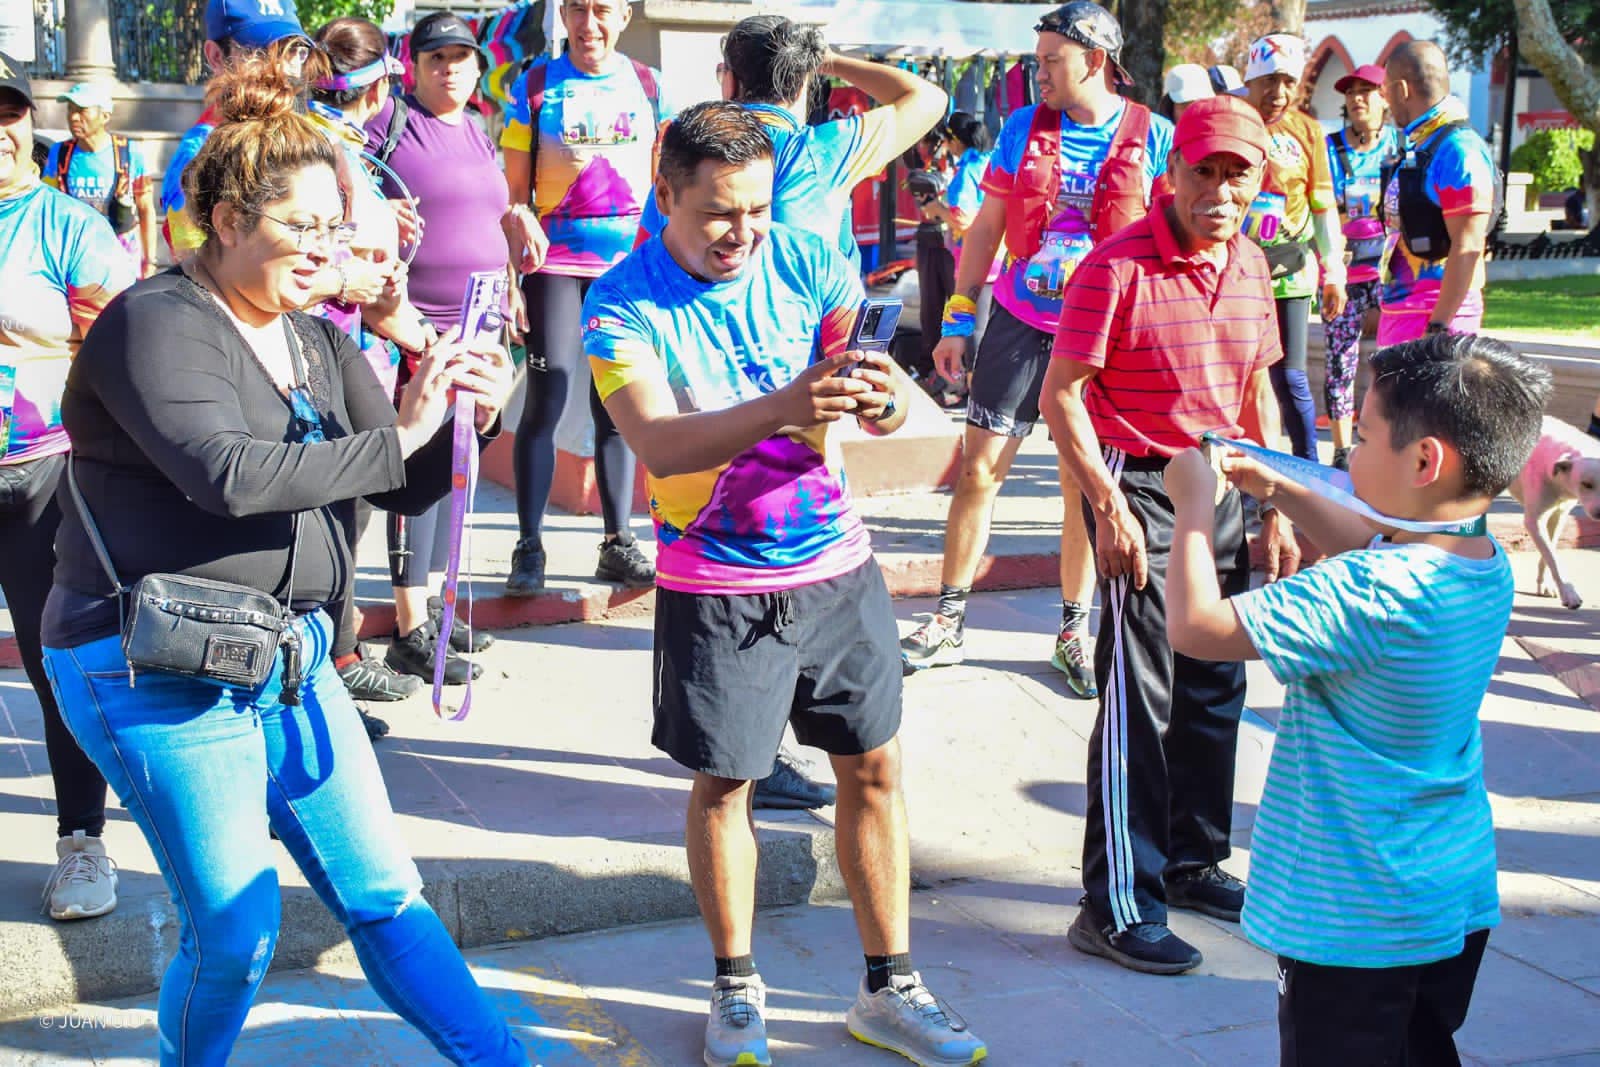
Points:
(1374, 845)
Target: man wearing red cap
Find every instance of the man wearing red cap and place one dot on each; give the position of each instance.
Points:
(1167, 330)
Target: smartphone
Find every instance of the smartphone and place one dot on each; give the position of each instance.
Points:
(876, 320)
(481, 314)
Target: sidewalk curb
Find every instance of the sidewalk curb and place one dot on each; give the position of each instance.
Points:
(482, 902)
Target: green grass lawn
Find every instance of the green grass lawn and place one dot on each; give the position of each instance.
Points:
(1554, 305)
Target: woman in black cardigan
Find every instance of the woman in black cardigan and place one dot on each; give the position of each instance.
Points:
(205, 414)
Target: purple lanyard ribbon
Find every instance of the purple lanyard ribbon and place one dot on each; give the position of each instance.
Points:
(463, 489)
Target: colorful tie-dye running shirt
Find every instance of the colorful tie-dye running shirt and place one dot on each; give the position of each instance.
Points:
(815, 169)
(1031, 289)
(182, 235)
(60, 265)
(1461, 180)
(592, 166)
(778, 515)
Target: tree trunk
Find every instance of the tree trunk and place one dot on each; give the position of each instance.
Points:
(1288, 16)
(1574, 81)
(1145, 52)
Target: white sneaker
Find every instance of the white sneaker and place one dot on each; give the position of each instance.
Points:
(84, 884)
(736, 1032)
(904, 1017)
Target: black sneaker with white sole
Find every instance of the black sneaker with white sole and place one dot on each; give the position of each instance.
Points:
(373, 679)
(414, 654)
(463, 638)
(1209, 890)
(622, 561)
(1150, 948)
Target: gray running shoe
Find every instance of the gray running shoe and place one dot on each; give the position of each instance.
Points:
(904, 1017)
(1070, 660)
(939, 642)
(736, 1032)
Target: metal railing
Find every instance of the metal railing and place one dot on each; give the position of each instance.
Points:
(159, 40)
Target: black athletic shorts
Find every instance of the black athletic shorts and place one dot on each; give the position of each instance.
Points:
(730, 671)
(1003, 393)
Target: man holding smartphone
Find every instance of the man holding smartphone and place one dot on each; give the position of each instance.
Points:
(716, 347)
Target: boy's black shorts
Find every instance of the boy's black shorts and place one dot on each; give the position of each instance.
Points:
(730, 671)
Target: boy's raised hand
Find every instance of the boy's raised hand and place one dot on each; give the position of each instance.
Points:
(1248, 476)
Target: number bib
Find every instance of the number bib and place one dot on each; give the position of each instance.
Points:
(1047, 272)
(1361, 196)
(1264, 221)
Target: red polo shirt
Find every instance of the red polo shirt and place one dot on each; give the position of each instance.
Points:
(1175, 339)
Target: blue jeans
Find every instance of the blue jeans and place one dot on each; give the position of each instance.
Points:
(203, 770)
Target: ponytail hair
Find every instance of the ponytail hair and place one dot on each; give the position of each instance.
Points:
(261, 141)
(968, 130)
(773, 58)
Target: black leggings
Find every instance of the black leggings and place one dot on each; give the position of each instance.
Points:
(415, 544)
(29, 516)
(1289, 381)
(555, 351)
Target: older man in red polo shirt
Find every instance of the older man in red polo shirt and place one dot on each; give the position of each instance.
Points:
(1167, 331)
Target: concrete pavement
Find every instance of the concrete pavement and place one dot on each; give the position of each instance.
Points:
(554, 772)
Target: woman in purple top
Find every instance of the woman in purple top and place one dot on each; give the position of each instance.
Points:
(448, 164)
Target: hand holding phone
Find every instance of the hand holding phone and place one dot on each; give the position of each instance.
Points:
(876, 320)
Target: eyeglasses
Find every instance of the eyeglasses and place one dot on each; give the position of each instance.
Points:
(338, 236)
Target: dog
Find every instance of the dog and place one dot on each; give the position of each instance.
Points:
(1563, 470)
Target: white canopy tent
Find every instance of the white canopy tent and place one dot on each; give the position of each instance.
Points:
(952, 29)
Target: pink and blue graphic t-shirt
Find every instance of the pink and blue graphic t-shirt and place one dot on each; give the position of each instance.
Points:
(1359, 193)
(60, 265)
(778, 515)
(815, 170)
(592, 162)
(1031, 289)
(964, 196)
(1461, 180)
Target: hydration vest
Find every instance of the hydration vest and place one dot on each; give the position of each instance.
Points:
(1119, 193)
(1421, 222)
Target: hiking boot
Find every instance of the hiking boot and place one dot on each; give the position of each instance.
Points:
(1341, 459)
(736, 1033)
(84, 884)
(789, 787)
(1208, 890)
(527, 569)
(1150, 948)
(462, 637)
(904, 1017)
(377, 729)
(1070, 661)
(374, 680)
(414, 654)
(623, 562)
(939, 642)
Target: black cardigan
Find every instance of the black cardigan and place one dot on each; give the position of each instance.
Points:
(183, 454)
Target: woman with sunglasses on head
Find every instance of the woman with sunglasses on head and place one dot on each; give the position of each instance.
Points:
(221, 434)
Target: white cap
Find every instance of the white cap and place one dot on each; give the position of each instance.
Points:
(1276, 53)
(1188, 82)
(88, 94)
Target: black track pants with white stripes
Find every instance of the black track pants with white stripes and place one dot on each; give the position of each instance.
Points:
(1161, 758)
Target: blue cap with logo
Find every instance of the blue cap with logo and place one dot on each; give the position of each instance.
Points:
(252, 23)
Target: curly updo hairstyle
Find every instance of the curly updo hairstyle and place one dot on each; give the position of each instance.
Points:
(262, 140)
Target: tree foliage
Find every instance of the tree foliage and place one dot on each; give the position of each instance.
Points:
(1476, 30)
(316, 13)
(1554, 158)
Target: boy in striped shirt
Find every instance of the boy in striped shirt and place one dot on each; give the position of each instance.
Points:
(1373, 872)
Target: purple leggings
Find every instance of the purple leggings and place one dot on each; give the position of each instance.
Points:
(1344, 348)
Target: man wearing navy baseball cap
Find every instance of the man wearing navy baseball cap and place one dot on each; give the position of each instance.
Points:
(232, 27)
